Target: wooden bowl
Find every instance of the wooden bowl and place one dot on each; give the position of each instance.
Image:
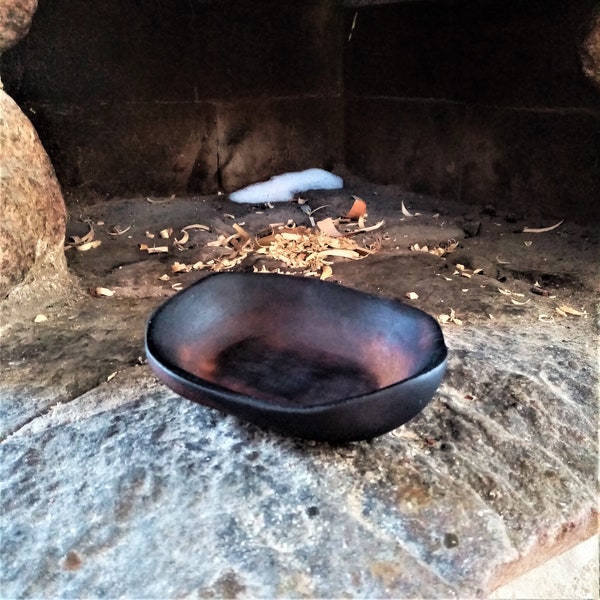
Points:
(304, 357)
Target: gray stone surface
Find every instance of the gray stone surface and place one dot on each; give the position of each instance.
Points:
(128, 481)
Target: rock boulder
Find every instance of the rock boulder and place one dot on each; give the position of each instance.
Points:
(32, 228)
(15, 20)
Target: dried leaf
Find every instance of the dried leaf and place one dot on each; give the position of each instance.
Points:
(88, 246)
(328, 227)
(40, 318)
(359, 208)
(542, 229)
(405, 211)
(412, 295)
(571, 311)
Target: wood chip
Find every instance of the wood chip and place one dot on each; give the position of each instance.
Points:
(327, 226)
(412, 295)
(40, 318)
(98, 292)
(358, 209)
(166, 233)
(88, 246)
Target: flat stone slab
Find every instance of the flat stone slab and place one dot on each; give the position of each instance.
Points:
(114, 486)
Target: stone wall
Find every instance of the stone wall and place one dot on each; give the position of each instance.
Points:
(482, 102)
(176, 97)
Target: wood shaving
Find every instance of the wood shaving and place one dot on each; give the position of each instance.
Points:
(116, 230)
(449, 318)
(412, 295)
(565, 310)
(97, 292)
(154, 249)
(542, 229)
(405, 211)
(88, 246)
(40, 318)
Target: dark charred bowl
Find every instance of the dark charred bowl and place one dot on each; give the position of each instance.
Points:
(304, 357)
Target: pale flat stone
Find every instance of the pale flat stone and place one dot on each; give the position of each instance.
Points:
(129, 481)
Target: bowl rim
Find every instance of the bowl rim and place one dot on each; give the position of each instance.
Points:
(158, 361)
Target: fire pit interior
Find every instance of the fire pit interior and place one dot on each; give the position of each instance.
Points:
(466, 136)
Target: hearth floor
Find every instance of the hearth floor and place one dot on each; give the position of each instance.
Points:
(112, 485)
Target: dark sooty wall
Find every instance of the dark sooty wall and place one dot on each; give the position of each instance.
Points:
(478, 101)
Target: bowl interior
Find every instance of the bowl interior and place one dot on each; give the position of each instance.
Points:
(291, 341)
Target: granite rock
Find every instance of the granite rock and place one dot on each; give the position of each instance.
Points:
(128, 480)
(32, 230)
(15, 20)
(589, 50)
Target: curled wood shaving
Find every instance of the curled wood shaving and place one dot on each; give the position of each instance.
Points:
(184, 239)
(117, 230)
(565, 310)
(546, 318)
(40, 318)
(163, 201)
(200, 226)
(518, 303)
(88, 246)
(405, 211)
(166, 233)
(149, 235)
(542, 229)
(97, 292)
